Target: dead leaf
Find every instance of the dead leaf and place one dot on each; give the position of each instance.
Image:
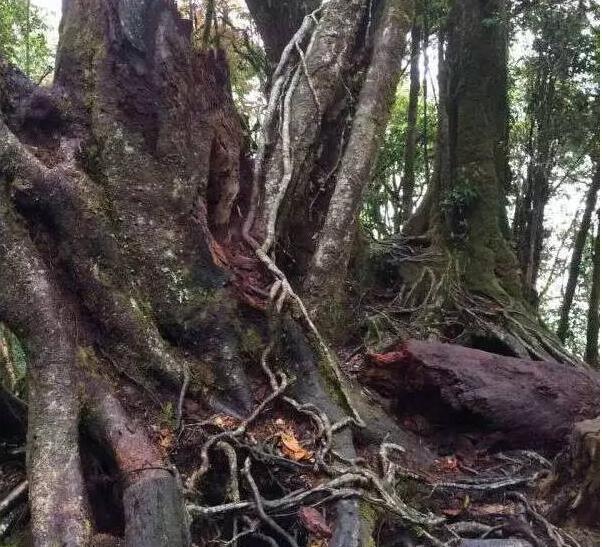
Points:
(448, 464)
(166, 438)
(314, 522)
(290, 447)
(225, 422)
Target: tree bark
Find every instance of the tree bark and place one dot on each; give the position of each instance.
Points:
(592, 351)
(129, 277)
(443, 381)
(332, 252)
(407, 185)
(578, 246)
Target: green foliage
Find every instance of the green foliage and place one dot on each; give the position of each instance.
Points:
(23, 37)
(382, 202)
(460, 197)
(168, 417)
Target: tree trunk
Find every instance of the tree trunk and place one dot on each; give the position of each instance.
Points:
(332, 253)
(131, 276)
(578, 246)
(444, 381)
(407, 184)
(592, 351)
(458, 275)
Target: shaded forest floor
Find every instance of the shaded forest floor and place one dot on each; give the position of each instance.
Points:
(456, 466)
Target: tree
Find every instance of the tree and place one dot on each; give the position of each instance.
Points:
(141, 260)
(592, 351)
(578, 246)
(378, 91)
(410, 145)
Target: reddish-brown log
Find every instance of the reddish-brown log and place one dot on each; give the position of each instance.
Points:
(532, 403)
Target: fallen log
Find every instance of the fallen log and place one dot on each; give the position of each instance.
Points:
(533, 404)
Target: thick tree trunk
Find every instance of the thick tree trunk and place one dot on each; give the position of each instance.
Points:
(333, 249)
(128, 264)
(592, 350)
(578, 246)
(407, 185)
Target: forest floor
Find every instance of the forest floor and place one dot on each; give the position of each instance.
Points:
(460, 469)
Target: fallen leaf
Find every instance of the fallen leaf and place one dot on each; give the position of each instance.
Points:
(290, 447)
(226, 422)
(314, 522)
(448, 464)
(166, 438)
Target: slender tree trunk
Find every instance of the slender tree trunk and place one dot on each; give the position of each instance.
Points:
(378, 91)
(578, 246)
(407, 184)
(28, 38)
(528, 229)
(592, 351)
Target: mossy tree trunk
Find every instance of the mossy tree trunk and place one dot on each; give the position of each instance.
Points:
(128, 252)
(462, 279)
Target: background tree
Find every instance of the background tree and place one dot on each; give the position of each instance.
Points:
(23, 38)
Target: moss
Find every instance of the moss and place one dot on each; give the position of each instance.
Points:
(368, 518)
(87, 359)
(251, 343)
(18, 539)
(331, 384)
(168, 417)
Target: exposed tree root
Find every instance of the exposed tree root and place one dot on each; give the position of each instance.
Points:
(152, 496)
(431, 301)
